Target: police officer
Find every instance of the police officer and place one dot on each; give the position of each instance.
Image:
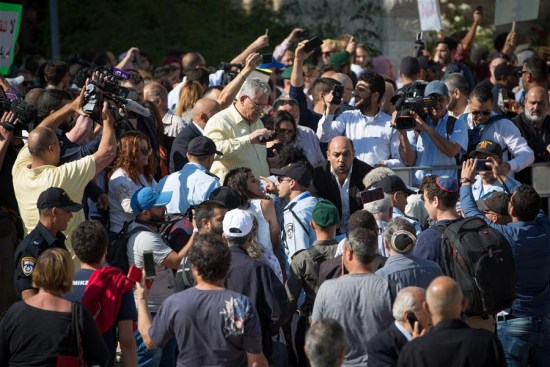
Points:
(194, 183)
(55, 209)
(292, 183)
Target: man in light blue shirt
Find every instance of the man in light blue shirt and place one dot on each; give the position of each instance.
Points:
(193, 183)
(432, 142)
(292, 183)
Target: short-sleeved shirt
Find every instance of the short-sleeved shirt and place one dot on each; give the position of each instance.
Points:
(127, 310)
(297, 233)
(190, 186)
(26, 254)
(212, 327)
(427, 154)
(143, 241)
(29, 183)
(362, 304)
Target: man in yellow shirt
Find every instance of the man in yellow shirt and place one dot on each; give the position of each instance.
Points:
(36, 168)
(238, 131)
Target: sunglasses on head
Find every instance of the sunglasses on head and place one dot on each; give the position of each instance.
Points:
(284, 102)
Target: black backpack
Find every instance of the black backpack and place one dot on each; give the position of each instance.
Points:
(117, 254)
(480, 259)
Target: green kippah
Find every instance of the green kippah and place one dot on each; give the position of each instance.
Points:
(339, 58)
(286, 73)
(325, 214)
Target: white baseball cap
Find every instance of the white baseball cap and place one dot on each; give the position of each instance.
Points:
(237, 223)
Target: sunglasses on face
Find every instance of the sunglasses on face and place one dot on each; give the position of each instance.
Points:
(284, 131)
(483, 113)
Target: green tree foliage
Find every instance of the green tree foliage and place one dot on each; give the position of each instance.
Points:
(218, 29)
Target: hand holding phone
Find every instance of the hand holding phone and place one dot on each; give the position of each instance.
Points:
(135, 274)
(481, 165)
(337, 94)
(312, 44)
(411, 318)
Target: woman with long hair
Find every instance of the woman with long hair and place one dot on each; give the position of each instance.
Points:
(243, 180)
(41, 330)
(190, 93)
(133, 169)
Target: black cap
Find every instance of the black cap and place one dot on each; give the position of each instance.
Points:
(56, 197)
(497, 202)
(410, 66)
(296, 171)
(392, 183)
(487, 146)
(228, 196)
(202, 145)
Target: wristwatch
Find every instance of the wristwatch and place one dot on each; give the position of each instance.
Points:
(465, 180)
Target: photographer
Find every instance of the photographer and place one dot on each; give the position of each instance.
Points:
(434, 141)
(375, 141)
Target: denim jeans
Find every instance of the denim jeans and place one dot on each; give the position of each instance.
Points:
(158, 357)
(525, 340)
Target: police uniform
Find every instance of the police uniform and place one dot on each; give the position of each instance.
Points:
(297, 233)
(38, 240)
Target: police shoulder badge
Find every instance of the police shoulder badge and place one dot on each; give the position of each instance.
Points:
(289, 229)
(28, 264)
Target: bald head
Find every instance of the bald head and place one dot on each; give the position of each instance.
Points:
(340, 154)
(445, 298)
(39, 141)
(192, 60)
(203, 110)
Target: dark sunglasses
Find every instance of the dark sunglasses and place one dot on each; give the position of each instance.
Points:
(285, 131)
(483, 113)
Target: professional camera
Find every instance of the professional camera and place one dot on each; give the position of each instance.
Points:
(228, 72)
(26, 113)
(408, 100)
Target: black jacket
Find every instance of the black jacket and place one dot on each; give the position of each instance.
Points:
(178, 153)
(537, 139)
(324, 184)
(384, 348)
(453, 343)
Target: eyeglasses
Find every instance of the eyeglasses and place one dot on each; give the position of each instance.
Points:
(285, 131)
(145, 151)
(259, 107)
(483, 113)
(521, 72)
(282, 179)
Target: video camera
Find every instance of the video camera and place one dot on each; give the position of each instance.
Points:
(26, 113)
(105, 85)
(228, 73)
(408, 100)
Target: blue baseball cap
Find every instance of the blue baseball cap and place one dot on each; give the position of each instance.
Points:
(147, 198)
(274, 64)
(436, 87)
(447, 183)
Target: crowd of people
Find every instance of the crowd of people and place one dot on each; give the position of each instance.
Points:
(258, 213)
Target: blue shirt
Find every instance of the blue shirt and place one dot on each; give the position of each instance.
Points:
(427, 154)
(428, 243)
(481, 193)
(530, 242)
(408, 270)
(190, 186)
(297, 233)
